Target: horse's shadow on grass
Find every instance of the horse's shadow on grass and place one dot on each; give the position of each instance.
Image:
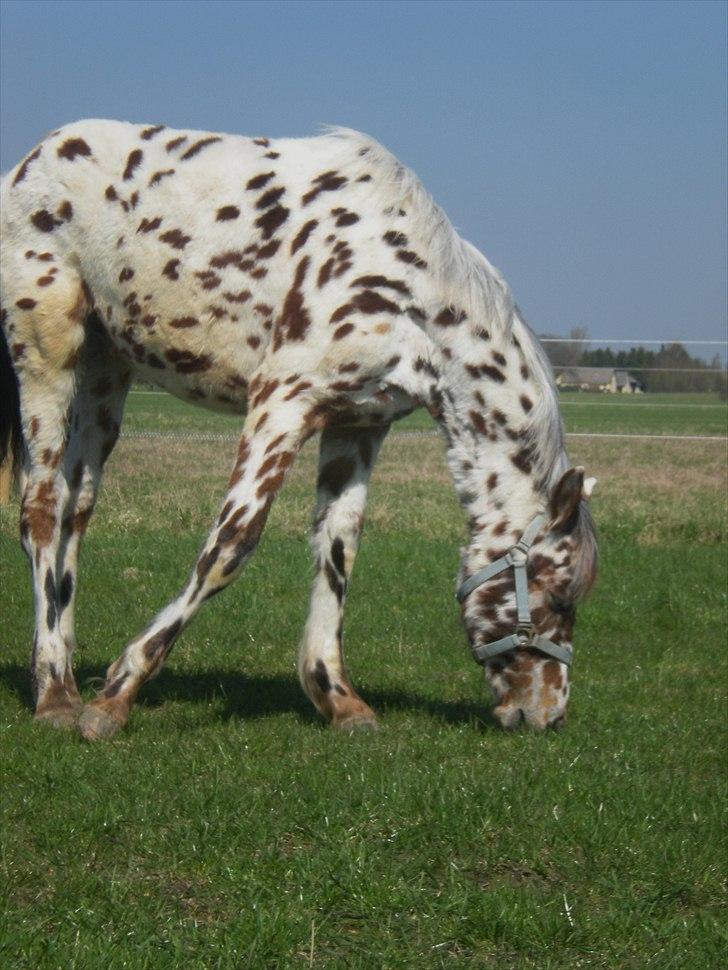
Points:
(248, 698)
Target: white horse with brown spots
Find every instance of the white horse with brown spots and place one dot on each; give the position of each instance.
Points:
(309, 285)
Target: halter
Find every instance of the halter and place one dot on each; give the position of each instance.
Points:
(525, 635)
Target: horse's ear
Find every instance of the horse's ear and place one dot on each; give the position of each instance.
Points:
(589, 484)
(565, 498)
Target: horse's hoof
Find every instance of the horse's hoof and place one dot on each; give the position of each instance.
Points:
(64, 717)
(356, 722)
(98, 723)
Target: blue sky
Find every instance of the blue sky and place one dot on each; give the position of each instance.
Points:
(581, 146)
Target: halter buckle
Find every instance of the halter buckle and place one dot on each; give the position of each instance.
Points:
(525, 633)
(516, 556)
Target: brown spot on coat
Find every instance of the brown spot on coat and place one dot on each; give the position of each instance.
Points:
(209, 279)
(302, 235)
(170, 269)
(326, 182)
(150, 132)
(449, 317)
(522, 460)
(343, 331)
(526, 403)
(297, 389)
(412, 259)
(552, 674)
(231, 257)
(382, 281)
(271, 220)
(485, 370)
(25, 303)
(478, 422)
(175, 238)
(227, 212)
(368, 301)
(158, 176)
(132, 163)
(74, 148)
(258, 181)
(197, 147)
(149, 225)
(43, 221)
(186, 362)
(241, 297)
(176, 142)
(324, 274)
(269, 250)
(39, 514)
(270, 197)
(25, 165)
(270, 485)
(347, 219)
(182, 323)
(294, 320)
(161, 642)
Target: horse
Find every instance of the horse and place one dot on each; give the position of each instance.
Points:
(310, 286)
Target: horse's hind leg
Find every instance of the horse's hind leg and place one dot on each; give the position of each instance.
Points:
(345, 465)
(45, 334)
(272, 435)
(94, 422)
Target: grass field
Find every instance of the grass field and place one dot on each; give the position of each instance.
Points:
(228, 827)
(645, 414)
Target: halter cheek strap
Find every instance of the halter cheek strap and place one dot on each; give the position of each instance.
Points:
(525, 634)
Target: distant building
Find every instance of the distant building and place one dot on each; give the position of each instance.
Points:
(611, 380)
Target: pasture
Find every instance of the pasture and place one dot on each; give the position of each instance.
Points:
(228, 827)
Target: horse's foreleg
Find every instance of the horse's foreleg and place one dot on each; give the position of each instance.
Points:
(346, 461)
(270, 442)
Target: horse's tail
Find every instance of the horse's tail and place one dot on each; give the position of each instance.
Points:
(11, 431)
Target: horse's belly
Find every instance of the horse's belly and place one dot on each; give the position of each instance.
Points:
(198, 348)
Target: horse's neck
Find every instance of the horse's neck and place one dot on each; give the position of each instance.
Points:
(493, 399)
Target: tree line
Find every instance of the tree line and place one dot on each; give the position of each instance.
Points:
(673, 360)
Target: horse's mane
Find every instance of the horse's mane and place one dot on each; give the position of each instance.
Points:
(467, 280)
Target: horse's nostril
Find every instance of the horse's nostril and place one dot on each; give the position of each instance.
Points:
(558, 722)
(521, 716)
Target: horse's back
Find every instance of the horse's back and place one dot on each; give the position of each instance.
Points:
(193, 249)
(145, 225)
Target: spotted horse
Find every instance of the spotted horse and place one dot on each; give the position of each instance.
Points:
(309, 286)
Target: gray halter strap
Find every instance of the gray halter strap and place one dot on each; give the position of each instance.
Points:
(525, 635)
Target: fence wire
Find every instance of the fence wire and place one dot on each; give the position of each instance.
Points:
(423, 433)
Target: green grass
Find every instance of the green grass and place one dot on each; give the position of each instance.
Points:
(700, 414)
(697, 414)
(228, 827)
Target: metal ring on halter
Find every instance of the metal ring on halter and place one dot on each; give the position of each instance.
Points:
(525, 635)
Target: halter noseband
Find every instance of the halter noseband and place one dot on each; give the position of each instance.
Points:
(525, 635)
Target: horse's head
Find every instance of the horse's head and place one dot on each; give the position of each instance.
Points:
(520, 611)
